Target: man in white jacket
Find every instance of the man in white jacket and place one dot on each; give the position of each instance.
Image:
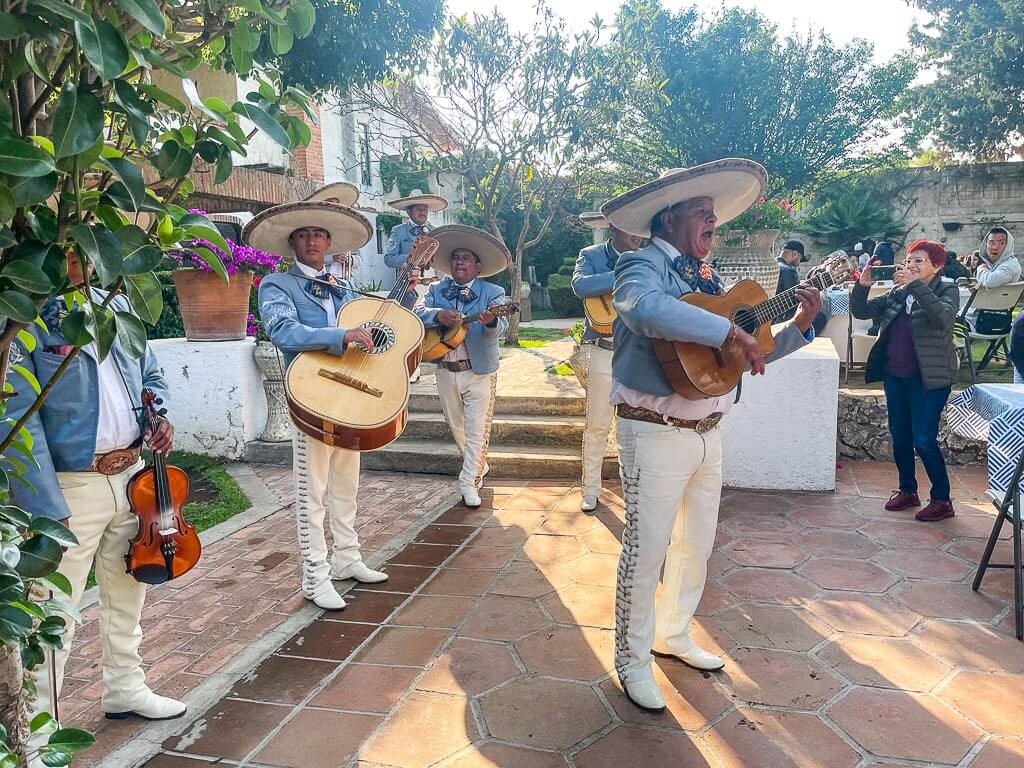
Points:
(998, 263)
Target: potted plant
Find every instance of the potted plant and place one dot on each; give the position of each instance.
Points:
(578, 358)
(268, 359)
(745, 244)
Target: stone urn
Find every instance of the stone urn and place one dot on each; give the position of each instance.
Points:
(271, 364)
(525, 313)
(210, 309)
(579, 362)
(747, 254)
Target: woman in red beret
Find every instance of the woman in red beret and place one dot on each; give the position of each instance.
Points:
(915, 358)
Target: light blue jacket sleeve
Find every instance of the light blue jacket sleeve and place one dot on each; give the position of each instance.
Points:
(587, 281)
(393, 255)
(277, 311)
(425, 310)
(500, 326)
(647, 310)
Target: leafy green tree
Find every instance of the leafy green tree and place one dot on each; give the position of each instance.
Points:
(677, 90)
(850, 215)
(95, 156)
(975, 104)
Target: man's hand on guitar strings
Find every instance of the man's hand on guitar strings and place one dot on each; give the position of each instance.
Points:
(448, 318)
(809, 301)
(361, 337)
(750, 349)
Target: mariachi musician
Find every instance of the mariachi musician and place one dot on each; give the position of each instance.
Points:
(467, 376)
(299, 309)
(417, 207)
(339, 263)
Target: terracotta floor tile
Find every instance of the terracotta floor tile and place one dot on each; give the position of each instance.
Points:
(997, 753)
(569, 523)
(780, 678)
(437, 611)
(826, 543)
(603, 541)
(282, 679)
(992, 701)
(850, 575)
(909, 535)
(767, 554)
(535, 499)
(825, 517)
(756, 737)
(551, 549)
(459, 582)
(911, 726)
(460, 515)
(526, 580)
(923, 564)
(575, 653)
(768, 585)
(786, 627)
(405, 646)
(948, 601)
(445, 534)
(401, 578)
(367, 606)
(971, 550)
(366, 688)
(883, 662)
(482, 557)
(773, 527)
(626, 746)
(865, 614)
(586, 606)
(713, 600)
(491, 754)
(972, 646)
(499, 617)
(176, 761)
(748, 505)
(427, 555)
(318, 739)
(328, 640)
(510, 520)
(443, 725)
(469, 667)
(691, 699)
(570, 713)
(229, 729)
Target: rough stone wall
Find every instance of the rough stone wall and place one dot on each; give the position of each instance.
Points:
(863, 431)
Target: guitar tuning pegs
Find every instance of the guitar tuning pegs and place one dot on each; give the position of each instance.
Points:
(162, 412)
(159, 401)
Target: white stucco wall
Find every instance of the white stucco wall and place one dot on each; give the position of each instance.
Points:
(217, 399)
(782, 433)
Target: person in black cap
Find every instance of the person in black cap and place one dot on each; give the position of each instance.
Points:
(791, 255)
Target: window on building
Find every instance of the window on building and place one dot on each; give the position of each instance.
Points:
(364, 155)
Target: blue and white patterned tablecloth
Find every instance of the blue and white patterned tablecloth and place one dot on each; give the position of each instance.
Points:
(994, 413)
(839, 302)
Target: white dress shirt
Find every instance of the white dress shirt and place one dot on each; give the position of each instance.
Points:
(460, 352)
(328, 300)
(116, 426)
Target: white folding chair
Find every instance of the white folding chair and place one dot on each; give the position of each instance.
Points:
(1001, 299)
(859, 343)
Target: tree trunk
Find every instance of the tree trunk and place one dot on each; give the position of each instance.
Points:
(515, 284)
(14, 702)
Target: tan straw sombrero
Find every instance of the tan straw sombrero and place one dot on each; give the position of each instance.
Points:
(733, 183)
(594, 220)
(433, 202)
(340, 192)
(494, 256)
(269, 230)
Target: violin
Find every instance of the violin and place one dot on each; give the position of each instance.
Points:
(166, 546)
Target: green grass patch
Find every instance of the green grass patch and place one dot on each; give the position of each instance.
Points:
(562, 369)
(531, 338)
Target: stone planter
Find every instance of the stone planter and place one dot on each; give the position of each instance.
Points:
(579, 362)
(271, 364)
(748, 254)
(211, 310)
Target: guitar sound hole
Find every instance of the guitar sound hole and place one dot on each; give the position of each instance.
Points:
(383, 337)
(747, 320)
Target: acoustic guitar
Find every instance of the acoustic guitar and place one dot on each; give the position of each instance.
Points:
(438, 342)
(600, 312)
(360, 400)
(696, 371)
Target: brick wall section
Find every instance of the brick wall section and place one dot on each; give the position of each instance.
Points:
(247, 189)
(309, 161)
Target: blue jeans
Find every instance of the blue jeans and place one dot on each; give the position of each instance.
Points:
(914, 414)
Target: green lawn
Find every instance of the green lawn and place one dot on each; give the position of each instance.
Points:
(530, 338)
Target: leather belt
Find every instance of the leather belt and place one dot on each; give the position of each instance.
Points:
(458, 366)
(700, 426)
(603, 343)
(114, 462)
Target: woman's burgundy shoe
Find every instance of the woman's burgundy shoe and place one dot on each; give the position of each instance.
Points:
(899, 500)
(935, 511)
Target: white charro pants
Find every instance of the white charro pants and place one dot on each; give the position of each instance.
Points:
(467, 400)
(672, 484)
(104, 524)
(599, 417)
(326, 483)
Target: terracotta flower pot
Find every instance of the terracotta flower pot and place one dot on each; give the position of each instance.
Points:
(211, 310)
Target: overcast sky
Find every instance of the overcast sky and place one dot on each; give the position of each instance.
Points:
(883, 22)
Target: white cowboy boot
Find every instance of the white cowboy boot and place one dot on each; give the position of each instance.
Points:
(361, 572)
(470, 496)
(326, 596)
(644, 692)
(694, 657)
(141, 703)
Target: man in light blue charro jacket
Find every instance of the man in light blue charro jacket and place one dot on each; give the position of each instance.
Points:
(670, 449)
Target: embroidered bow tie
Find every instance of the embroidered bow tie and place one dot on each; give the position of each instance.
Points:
(422, 229)
(698, 274)
(321, 291)
(463, 292)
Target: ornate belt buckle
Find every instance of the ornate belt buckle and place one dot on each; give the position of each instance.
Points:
(115, 462)
(706, 424)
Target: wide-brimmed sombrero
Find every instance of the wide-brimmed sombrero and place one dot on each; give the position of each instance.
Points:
(594, 220)
(340, 192)
(494, 256)
(269, 229)
(733, 183)
(433, 202)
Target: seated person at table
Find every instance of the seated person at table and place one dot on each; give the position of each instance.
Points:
(997, 265)
(954, 270)
(915, 359)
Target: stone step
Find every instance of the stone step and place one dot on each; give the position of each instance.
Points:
(423, 402)
(565, 431)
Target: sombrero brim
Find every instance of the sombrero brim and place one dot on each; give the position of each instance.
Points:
(494, 256)
(433, 202)
(594, 219)
(734, 184)
(340, 192)
(269, 229)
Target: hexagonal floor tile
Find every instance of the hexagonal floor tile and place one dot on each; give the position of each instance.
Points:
(769, 586)
(774, 527)
(491, 754)
(883, 662)
(593, 569)
(992, 701)
(527, 580)
(909, 535)
(583, 605)
(575, 653)
(570, 523)
(691, 699)
(972, 646)
(923, 564)
(551, 549)
(746, 505)
(900, 724)
(864, 614)
(765, 553)
(785, 627)
(825, 543)
(780, 678)
(627, 746)
(758, 737)
(851, 575)
(443, 725)
(713, 599)
(603, 541)
(570, 713)
(469, 667)
(1000, 753)
(825, 517)
(948, 601)
(500, 617)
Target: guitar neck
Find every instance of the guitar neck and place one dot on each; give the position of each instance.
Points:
(771, 308)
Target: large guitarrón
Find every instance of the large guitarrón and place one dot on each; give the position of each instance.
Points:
(360, 400)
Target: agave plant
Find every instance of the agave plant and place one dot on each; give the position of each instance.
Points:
(852, 216)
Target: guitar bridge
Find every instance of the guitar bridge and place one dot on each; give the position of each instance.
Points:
(348, 381)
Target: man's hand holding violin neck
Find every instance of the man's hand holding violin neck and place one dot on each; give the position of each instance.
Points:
(163, 439)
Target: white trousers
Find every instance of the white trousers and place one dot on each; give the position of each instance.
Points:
(599, 417)
(104, 524)
(467, 400)
(326, 483)
(672, 483)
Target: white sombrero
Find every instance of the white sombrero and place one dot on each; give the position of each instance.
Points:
(494, 256)
(340, 192)
(594, 220)
(734, 184)
(433, 202)
(269, 230)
